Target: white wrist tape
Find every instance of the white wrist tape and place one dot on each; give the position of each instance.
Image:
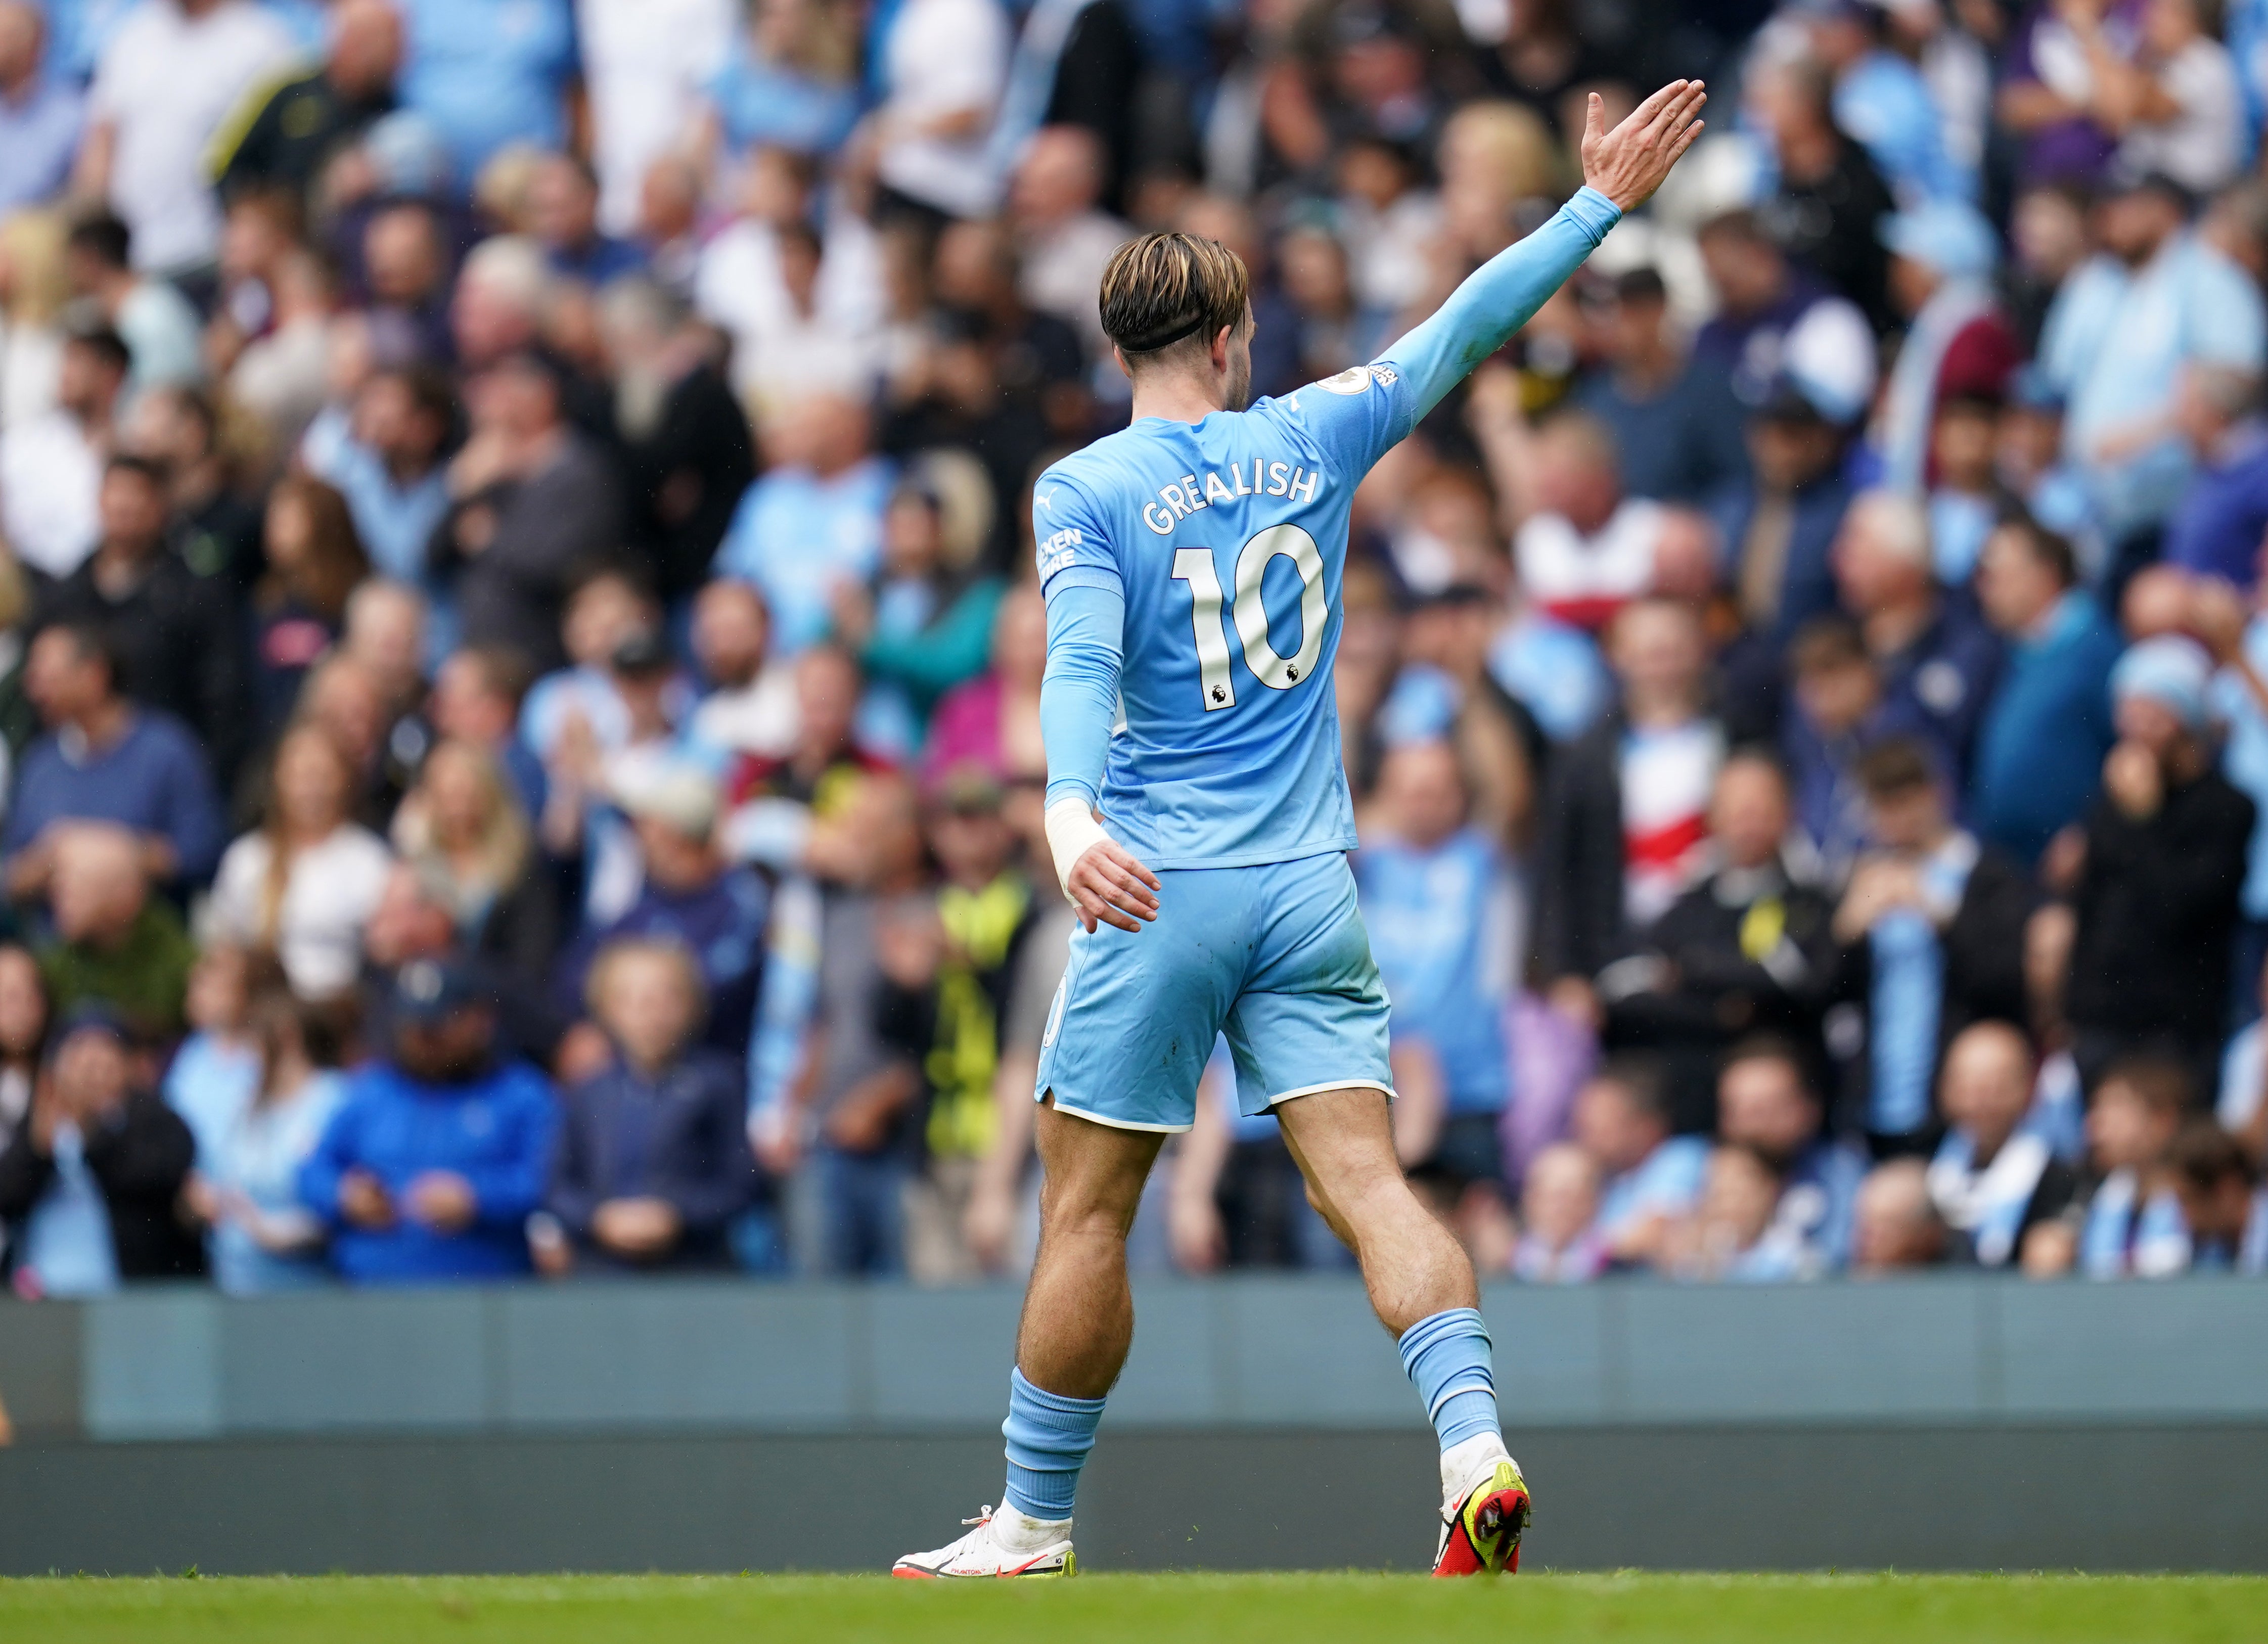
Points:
(1071, 830)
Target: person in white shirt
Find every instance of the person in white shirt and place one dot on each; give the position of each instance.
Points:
(169, 78)
(2178, 110)
(51, 466)
(1064, 240)
(305, 882)
(944, 63)
(643, 63)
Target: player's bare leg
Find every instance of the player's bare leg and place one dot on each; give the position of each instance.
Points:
(1079, 1312)
(1422, 1287)
(1078, 1325)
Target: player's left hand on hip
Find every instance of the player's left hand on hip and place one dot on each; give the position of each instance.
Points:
(1109, 884)
(1629, 163)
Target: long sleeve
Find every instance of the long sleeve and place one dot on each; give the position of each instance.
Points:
(507, 1187)
(1498, 298)
(951, 649)
(1078, 693)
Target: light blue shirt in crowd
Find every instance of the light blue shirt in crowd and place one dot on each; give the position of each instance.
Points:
(395, 522)
(1882, 103)
(209, 1084)
(39, 137)
(796, 536)
(1441, 924)
(1553, 671)
(1908, 994)
(66, 1243)
(2244, 760)
(2116, 341)
(260, 1158)
(1668, 1182)
(489, 72)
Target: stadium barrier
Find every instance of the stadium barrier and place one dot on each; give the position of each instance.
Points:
(1938, 1422)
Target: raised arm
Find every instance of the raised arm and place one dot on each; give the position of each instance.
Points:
(1621, 170)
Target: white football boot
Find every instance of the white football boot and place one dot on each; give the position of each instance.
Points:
(1005, 1543)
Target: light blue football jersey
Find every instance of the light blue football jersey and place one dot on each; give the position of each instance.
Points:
(1227, 539)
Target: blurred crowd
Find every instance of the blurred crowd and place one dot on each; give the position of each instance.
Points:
(519, 659)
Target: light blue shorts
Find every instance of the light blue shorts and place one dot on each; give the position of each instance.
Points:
(1274, 957)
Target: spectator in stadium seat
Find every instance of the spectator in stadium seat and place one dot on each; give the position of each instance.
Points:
(462, 830)
(1734, 1234)
(1831, 201)
(1581, 548)
(532, 500)
(1957, 342)
(170, 75)
(40, 112)
(410, 922)
(477, 698)
(440, 1149)
(750, 705)
(1064, 237)
(2039, 749)
(2166, 842)
(1895, 1227)
(178, 637)
(106, 759)
(24, 1022)
(111, 942)
(2132, 1225)
(214, 528)
(1624, 819)
(2216, 527)
(1675, 425)
(1936, 655)
(260, 1237)
(1930, 935)
(939, 68)
(299, 607)
(51, 462)
(1768, 1104)
(652, 1158)
(91, 1183)
(717, 911)
(491, 72)
(2155, 298)
(1880, 98)
(1442, 908)
(304, 884)
(216, 1070)
(563, 202)
(1744, 951)
(1840, 711)
(812, 520)
(288, 133)
(1995, 1176)
(2222, 1207)
(1649, 1179)
(1559, 1242)
(691, 456)
(386, 460)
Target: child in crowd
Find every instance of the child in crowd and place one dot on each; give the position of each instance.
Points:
(261, 1238)
(2223, 1207)
(652, 1162)
(2133, 1222)
(1734, 1235)
(216, 1071)
(1559, 1242)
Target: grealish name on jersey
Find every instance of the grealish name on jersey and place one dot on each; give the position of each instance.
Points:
(1265, 479)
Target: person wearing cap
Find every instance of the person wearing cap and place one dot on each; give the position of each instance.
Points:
(2039, 751)
(2166, 841)
(91, 1184)
(440, 1149)
(2156, 298)
(690, 893)
(1957, 342)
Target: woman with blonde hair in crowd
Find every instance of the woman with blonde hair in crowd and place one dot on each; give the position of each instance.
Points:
(462, 830)
(33, 290)
(302, 884)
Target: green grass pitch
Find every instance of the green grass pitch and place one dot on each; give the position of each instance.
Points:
(1540, 1609)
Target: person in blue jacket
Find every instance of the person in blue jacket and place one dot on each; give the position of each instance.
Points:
(438, 1153)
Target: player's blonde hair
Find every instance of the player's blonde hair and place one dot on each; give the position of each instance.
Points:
(1163, 289)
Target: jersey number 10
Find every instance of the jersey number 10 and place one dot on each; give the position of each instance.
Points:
(1195, 566)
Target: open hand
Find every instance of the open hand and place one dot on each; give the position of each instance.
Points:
(1628, 163)
(1108, 885)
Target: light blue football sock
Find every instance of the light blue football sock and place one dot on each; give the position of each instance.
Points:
(1048, 1436)
(1446, 1355)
